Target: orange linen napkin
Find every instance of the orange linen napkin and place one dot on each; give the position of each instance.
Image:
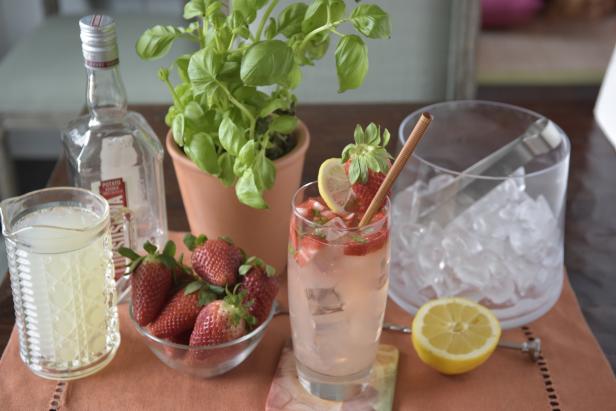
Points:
(573, 375)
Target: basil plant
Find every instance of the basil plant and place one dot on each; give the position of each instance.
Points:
(222, 116)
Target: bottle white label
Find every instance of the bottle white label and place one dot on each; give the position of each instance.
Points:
(114, 191)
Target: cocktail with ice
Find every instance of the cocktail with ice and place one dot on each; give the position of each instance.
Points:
(338, 277)
(59, 251)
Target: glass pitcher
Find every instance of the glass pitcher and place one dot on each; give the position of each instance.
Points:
(58, 243)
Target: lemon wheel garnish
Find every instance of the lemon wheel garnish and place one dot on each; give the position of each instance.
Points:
(454, 335)
(334, 184)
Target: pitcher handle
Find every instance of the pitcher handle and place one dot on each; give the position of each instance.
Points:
(123, 234)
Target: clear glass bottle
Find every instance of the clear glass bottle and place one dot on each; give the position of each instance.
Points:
(113, 151)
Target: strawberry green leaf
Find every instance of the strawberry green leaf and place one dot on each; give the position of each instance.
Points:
(192, 287)
(215, 288)
(270, 271)
(189, 241)
(386, 136)
(128, 253)
(149, 247)
(354, 172)
(168, 261)
(372, 135)
(250, 320)
(205, 297)
(244, 268)
(363, 169)
(359, 135)
(133, 266)
(226, 239)
(346, 152)
(169, 249)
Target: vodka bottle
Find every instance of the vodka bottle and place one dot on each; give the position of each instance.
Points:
(113, 151)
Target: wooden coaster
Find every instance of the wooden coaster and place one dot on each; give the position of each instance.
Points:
(286, 393)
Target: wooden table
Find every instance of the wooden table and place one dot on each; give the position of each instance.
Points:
(590, 239)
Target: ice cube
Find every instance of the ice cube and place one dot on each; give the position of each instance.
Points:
(439, 182)
(334, 229)
(322, 301)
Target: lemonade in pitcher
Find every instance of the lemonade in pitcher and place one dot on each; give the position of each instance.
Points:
(60, 261)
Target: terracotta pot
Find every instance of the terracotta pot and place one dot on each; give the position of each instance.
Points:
(214, 209)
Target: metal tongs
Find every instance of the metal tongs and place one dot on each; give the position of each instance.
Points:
(445, 204)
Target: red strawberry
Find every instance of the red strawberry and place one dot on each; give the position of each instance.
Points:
(151, 280)
(182, 339)
(293, 235)
(220, 321)
(261, 286)
(365, 192)
(216, 261)
(181, 311)
(309, 245)
(366, 162)
(362, 245)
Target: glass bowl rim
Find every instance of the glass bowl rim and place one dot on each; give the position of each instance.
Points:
(311, 223)
(417, 113)
(259, 330)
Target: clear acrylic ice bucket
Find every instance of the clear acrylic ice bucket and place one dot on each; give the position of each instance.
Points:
(58, 245)
(505, 248)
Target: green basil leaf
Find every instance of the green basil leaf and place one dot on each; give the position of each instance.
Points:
(213, 7)
(273, 105)
(181, 66)
(239, 167)
(247, 7)
(291, 18)
(171, 113)
(371, 21)
(195, 8)
(264, 171)
(316, 16)
(247, 152)
(294, 77)
(203, 68)
(317, 49)
(251, 96)
(267, 62)
(156, 41)
(284, 124)
(336, 9)
(178, 129)
(193, 111)
(351, 62)
(271, 30)
(247, 191)
(225, 161)
(231, 137)
(203, 152)
(372, 135)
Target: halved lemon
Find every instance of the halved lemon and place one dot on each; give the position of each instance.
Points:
(334, 184)
(454, 335)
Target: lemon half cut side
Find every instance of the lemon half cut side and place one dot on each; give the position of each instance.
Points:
(454, 335)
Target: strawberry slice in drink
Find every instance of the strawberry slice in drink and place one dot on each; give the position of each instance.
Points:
(309, 245)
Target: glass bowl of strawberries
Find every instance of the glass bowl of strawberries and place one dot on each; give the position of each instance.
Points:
(206, 319)
(204, 361)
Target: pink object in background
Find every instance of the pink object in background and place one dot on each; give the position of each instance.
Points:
(508, 13)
